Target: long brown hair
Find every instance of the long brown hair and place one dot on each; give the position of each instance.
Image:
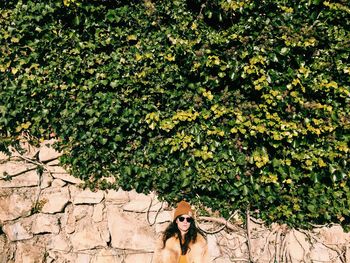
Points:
(191, 236)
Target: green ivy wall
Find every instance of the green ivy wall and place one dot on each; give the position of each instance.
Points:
(230, 104)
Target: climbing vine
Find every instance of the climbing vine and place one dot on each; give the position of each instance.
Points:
(233, 104)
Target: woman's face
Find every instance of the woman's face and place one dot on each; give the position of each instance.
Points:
(184, 222)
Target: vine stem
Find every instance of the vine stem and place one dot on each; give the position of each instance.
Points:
(248, 235)
(226, 223)
(267, 241)
(38, 164)
(330, 246)
(149, 210)
(300, 244)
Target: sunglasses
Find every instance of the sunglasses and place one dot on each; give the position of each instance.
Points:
(188, 219)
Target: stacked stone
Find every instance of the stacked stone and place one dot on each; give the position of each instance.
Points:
(49, 218)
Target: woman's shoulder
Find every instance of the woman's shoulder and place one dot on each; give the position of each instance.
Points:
(172, 241)
(169, 243)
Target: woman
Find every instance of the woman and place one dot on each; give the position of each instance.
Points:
(182, 241)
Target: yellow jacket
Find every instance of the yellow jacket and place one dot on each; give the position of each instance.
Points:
(197, 252)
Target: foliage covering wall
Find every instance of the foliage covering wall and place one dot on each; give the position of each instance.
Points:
(232, 104)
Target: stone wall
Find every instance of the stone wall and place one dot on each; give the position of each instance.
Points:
(47, 217)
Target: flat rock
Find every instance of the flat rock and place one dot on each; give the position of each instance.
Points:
(67, 178)
(29, 252)
(47, 153)
(87, 236)
(161, 217)
(45, 223)
(15, 204)
(97, 216)
(86, 196)
(104, 231)
(14, 168)
(134, 235)
(17, 231)
(142, 205)
(67, 220)
(26, 179)
(58, 183)
(117, 197)
(54, 199)
(60, 243)
(55, 162)
(56, 169)
(46, 180)
(82, 211)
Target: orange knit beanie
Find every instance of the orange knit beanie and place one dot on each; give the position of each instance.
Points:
(183, 208)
